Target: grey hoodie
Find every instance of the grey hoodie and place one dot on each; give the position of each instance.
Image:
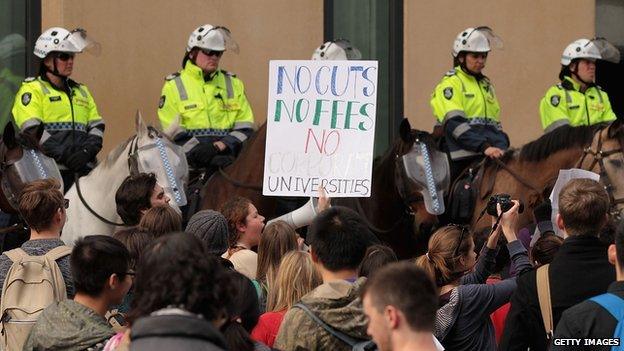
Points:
(69, 326)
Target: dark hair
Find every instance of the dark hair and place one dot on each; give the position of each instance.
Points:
(583, 206)
(376, 256)
(565, 72)
(443, 259)
(339, 238)
(94, 259)
(417, 296)
(619, 244)
(161, 220)
(235, 211)
(136, 241)
(175, 270)
(243, 314)
(545, 248)
(133, 196)
(39, 201)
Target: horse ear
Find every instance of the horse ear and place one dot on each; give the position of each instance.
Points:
(139, 125)
(405, 131)
(173, 129)
(8, 137)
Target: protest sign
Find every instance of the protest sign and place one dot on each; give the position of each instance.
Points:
(320, 128)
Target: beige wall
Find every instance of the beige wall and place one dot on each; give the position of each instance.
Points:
(534, 34)
(144, 41)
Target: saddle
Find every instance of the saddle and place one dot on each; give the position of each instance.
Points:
(464, 192)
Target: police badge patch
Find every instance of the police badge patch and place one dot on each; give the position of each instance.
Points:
(26, 99)
(554, 100)
(161, 102)
(448, 93)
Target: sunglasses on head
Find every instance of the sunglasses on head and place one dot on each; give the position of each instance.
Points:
(212, 52)
(64, 56)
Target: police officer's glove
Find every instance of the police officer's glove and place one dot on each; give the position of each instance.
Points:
(542, 215)
(78, 160)
(201, 155)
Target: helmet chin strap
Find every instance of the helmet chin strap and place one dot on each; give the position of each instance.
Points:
(55, 71)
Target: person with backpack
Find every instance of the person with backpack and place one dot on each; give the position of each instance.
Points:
(579, 271)
(100, 267)
(331, 317)
(25, 286)
(600, 317)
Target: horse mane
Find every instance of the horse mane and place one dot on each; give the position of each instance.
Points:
(114, 155)
(564, 137)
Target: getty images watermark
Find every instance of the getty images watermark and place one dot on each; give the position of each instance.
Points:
(586, 342)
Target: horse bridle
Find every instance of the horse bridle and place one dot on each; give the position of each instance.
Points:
(599, 156)
(133, 167)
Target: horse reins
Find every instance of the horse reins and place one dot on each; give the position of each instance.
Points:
(132, 167)
(599, 155)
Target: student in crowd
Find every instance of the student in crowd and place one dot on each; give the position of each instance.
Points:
(296, 277)
(136, 242)
(590, 319)
(242, 316)
(42, 207)
(339, 238)
(277, 239)
(136, 194)
(401, 319)
(579, 270)
(545, 248)
(376, 257)
(466, 302)
(245, 226)
(211, 228)
(100, 267)
(161, 220)
(180, 294)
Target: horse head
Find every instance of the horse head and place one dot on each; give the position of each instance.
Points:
(152, 151)
(605, 156)
(411, 145)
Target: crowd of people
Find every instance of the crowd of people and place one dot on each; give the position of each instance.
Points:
(224, 281)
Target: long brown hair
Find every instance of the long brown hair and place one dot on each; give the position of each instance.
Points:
(442, 261)
(296, 277)
(235, 211)
(277, 239)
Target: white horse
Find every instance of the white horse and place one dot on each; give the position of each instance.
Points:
(154, 153)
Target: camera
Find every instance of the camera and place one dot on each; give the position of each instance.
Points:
(505, 203)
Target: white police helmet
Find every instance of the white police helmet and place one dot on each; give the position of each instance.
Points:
(479, 39)
(61, 40)
(339, 49)
(209, 37)
(596, 49)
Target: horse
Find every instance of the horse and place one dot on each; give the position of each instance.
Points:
(527, 172)
(389, 215)
(92, 208)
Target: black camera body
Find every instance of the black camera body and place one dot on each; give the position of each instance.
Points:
(505, 203)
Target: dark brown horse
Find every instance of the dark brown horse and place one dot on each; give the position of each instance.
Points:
(536, 165)
(386, 212)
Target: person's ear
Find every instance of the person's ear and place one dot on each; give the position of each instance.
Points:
(559, 221)
(612, 254)
(241, 227)
(392, 316)
(313, 255)
(113, 281)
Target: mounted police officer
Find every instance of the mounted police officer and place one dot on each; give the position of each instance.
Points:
(464, 102)
(73, 128)
(577, 100)
(215, 116)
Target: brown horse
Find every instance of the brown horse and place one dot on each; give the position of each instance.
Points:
(529, 170)
(385, 211)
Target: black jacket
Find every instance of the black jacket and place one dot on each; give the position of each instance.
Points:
(588, 320)
(175, 330)
(579, 271)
